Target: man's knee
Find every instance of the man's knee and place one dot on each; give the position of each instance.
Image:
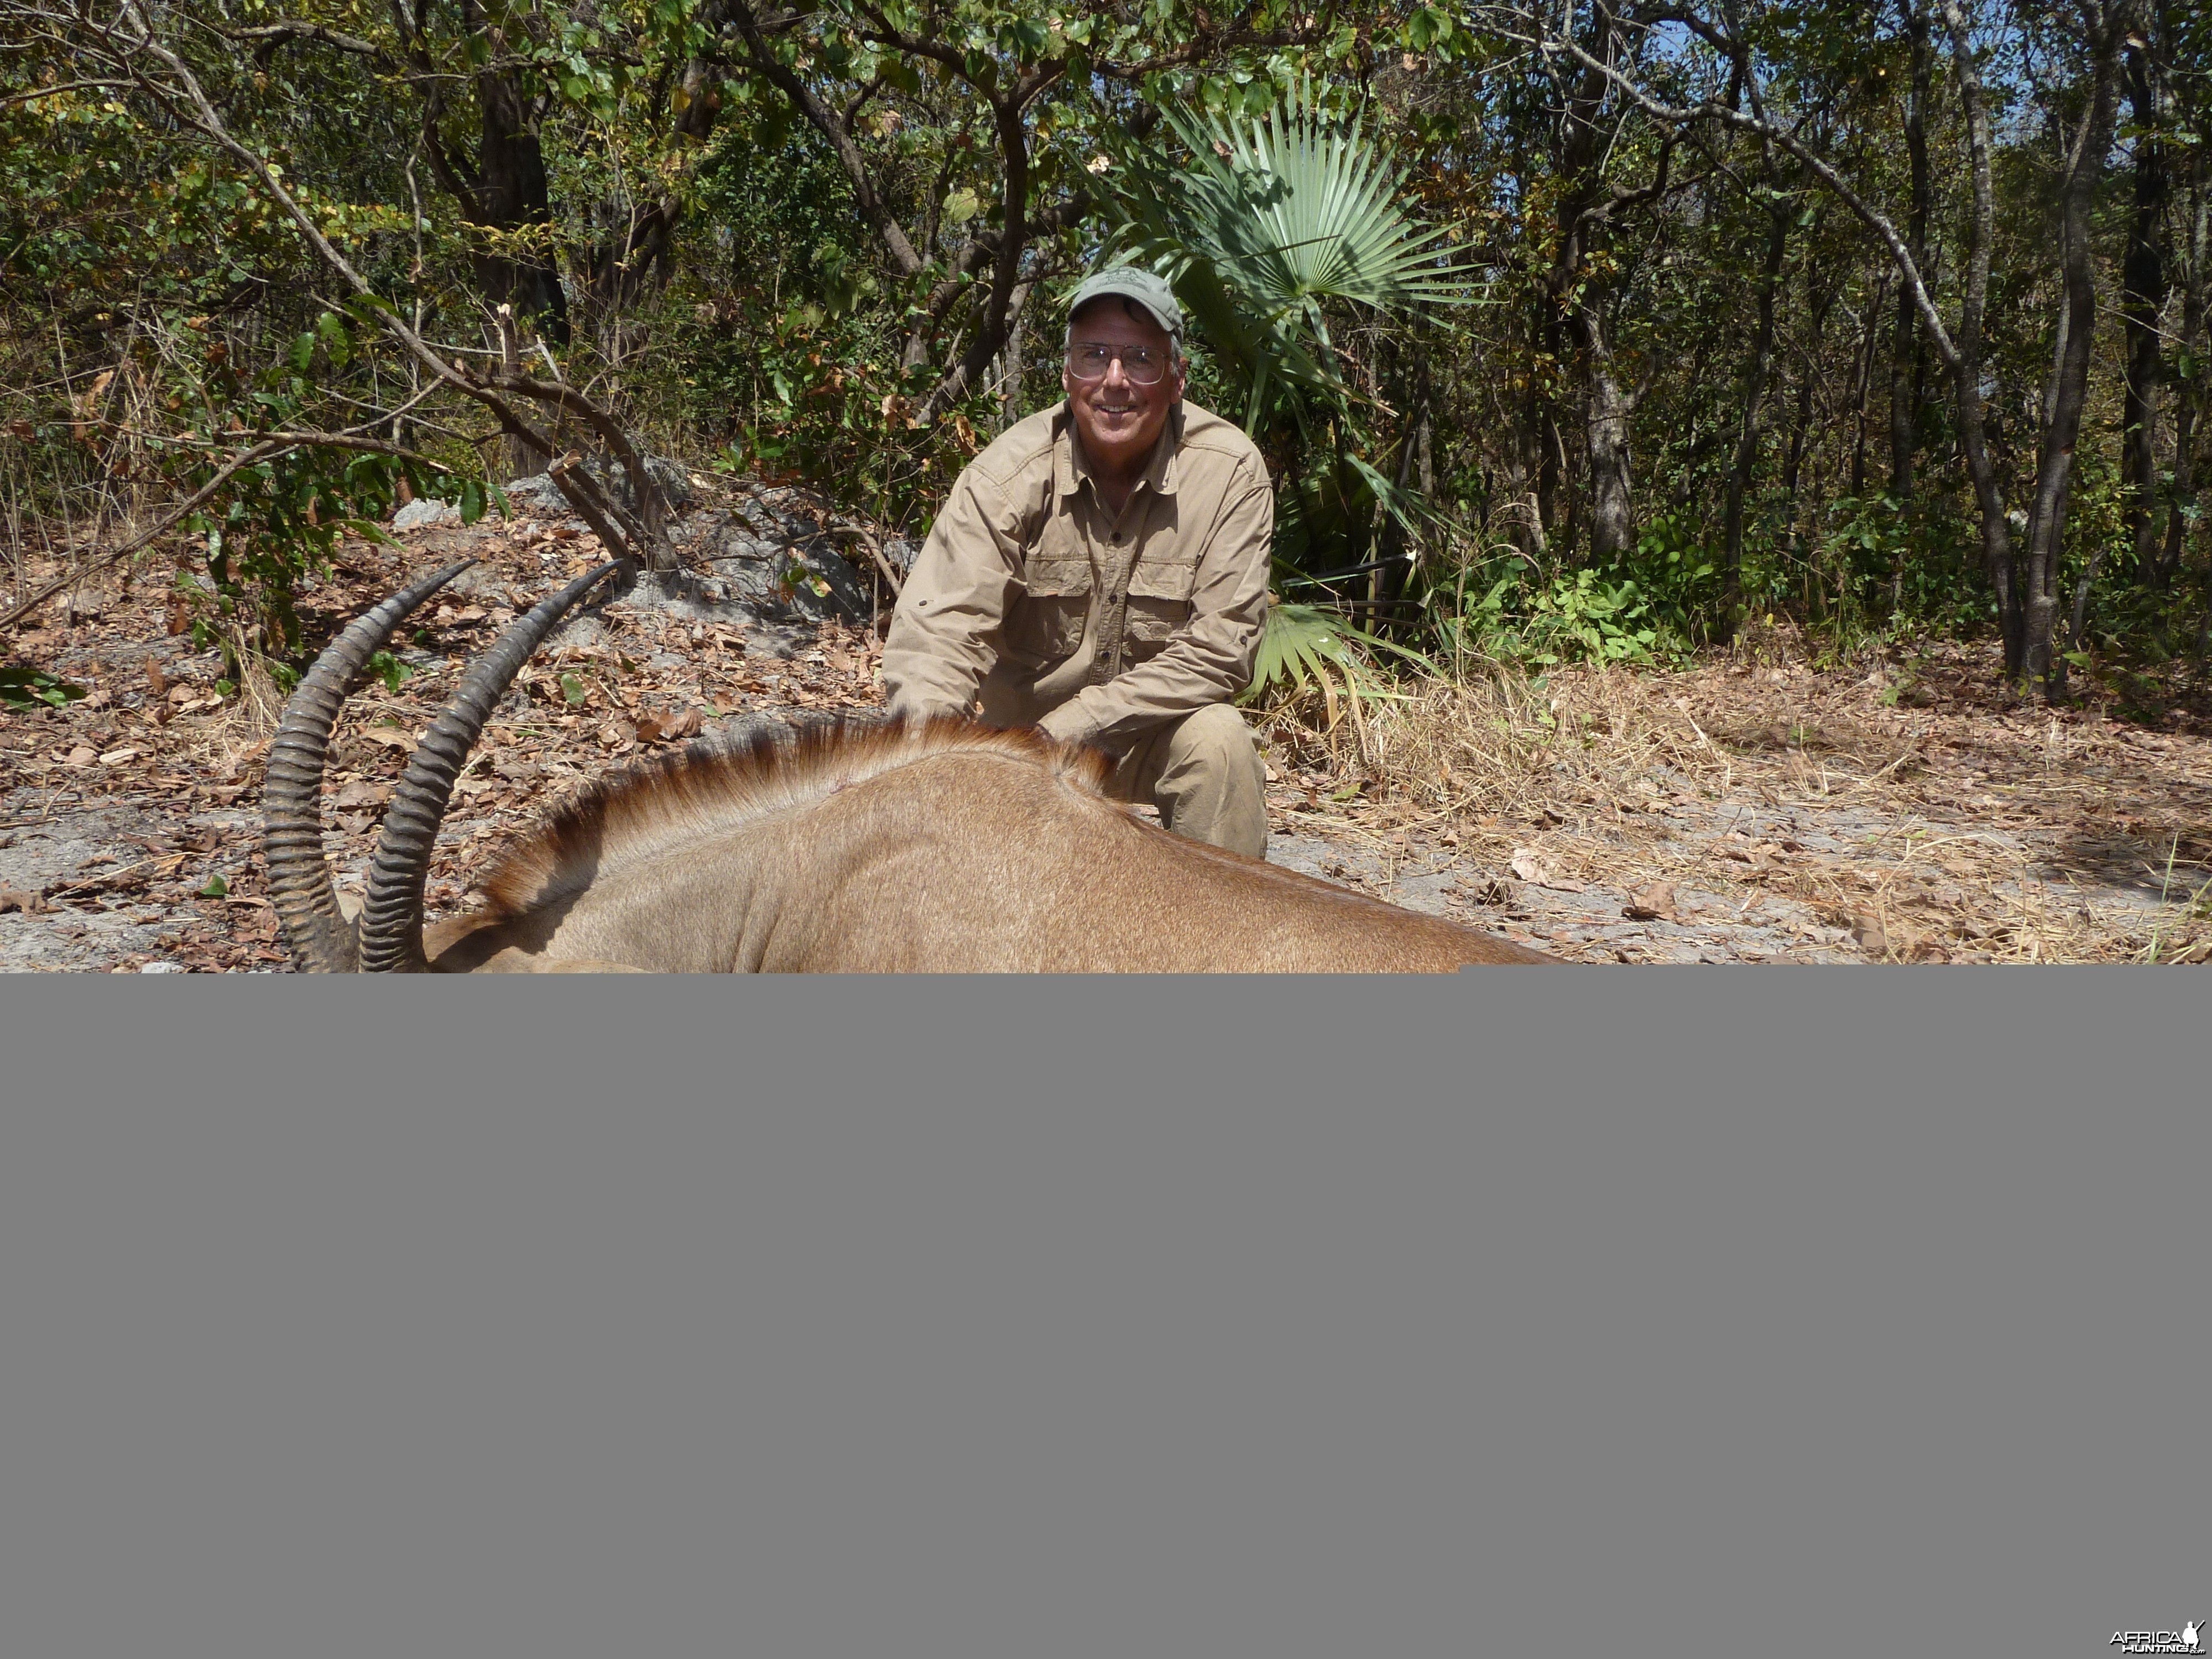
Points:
(1215, 736)
(1212, 785)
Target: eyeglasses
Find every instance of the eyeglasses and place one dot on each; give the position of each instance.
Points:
(1142, 365)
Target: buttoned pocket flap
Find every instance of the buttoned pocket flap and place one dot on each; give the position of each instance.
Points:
(1162, 581)
(1058, 578)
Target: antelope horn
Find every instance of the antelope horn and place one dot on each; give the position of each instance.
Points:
(299, 890)
(392, 917)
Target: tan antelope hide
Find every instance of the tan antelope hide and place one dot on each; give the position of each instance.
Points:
(953, 848)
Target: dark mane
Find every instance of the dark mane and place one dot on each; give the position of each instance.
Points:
(718, 782)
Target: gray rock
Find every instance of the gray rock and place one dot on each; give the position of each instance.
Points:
(424, 511)
(484, 582)
(780, 565)
(613, 477)
(162, 968)
(810, 581)
(537, 494)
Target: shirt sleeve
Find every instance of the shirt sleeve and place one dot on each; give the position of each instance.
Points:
(943, 632)
(1209, 659)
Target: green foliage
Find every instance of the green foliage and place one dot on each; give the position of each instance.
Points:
(32, 688)
(389, 669)
(1325, 188)
(1570, 617)
(1266, 221)
(1305, 645)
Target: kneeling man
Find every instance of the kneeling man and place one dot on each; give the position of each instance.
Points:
(1101, 571)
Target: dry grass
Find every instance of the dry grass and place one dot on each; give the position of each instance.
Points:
(1930, 815)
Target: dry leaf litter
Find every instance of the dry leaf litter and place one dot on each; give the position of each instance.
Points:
(1743, 811)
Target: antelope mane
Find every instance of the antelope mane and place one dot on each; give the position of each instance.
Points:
(655, 808)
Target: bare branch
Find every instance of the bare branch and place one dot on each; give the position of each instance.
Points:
(824, 121)
(1782, 138)
(202, 117)
(270, 36)
(175, 516)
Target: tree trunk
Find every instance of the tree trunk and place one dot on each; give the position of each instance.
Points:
(1013, 357)
(1862, 380)
(632, 259)
(1905, 363)
(1613, 511)
(1747, 443)
(2188, 404)
(2143, 298)
(1576, 313)
(1970, 383)
(2037, 596)
(1551, 455)
(1820, 300)
(510, 197)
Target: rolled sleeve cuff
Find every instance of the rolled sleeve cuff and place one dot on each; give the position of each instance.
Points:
(1070, 723)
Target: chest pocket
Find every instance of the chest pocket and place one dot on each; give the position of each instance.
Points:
(1046, 624)
(1159, 603)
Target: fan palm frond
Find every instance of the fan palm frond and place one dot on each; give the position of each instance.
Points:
(1272, 217)
(1305, 644)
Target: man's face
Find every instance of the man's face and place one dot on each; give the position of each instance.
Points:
(1118, 419)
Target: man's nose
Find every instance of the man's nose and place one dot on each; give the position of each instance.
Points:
(1115, 371)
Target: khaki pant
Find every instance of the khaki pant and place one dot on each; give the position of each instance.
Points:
(1203, 772)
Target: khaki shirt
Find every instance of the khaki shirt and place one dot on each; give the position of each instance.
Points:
(1029, 594)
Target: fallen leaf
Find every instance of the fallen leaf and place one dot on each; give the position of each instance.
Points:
(117, 756)
(80, 757)
(13, 899)
(391, 736)
(361, 794)
(156, 681)
(1868, 933)
(616, 734)
(1652, 903)
(1531, 866)
(1490, 891)
(685, 725)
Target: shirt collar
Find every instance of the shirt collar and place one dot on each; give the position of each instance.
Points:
(1070, 471)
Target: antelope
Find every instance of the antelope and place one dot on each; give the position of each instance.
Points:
(950, 848)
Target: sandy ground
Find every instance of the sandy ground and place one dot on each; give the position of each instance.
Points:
(1750, 811)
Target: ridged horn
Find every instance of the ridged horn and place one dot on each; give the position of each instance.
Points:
(321, 941)
(392, 917)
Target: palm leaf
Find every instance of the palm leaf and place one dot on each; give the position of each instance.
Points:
(1302, 643)
(1270, 217)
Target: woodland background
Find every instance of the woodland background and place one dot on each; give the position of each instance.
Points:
(1612, 326)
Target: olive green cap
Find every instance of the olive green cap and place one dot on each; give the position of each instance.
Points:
(1130, 283)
